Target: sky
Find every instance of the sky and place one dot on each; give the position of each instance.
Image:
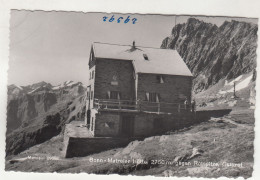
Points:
(54, 46)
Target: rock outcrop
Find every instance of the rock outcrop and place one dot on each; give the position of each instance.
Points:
(213, 53)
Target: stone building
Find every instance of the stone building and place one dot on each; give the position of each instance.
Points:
(136, 91)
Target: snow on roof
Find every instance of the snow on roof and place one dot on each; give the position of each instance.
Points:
(145, 59)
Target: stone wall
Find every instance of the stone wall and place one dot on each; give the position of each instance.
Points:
(79, 147)
(105, 70)
(107, 124)
(173, 90)
(145, 125)
(152, 124)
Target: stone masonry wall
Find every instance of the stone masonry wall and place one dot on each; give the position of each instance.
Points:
(78, 147)
(152, 124)
(173, 90)
(105, 70)
(107, 124)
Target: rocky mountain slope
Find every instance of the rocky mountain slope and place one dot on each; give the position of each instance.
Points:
(221, 95)
(37, 112)
(213, 53)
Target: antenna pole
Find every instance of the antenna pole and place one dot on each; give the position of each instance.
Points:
(234, 89)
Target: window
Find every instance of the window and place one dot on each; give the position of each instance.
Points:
(134, 75)
(88, 117)
(91, 57)
(91, 95)
(92, 123)
(113, 95)
(87, 95)
(160, 79)
(145, 57)
(90, 75)
(152, 97)
(93, 74)
(114, 81)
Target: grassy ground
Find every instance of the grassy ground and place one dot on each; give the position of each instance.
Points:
(194, 151)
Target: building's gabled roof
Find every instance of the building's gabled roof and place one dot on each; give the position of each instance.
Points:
(160, 61)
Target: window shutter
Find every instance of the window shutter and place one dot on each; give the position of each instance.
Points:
(161, 79)
(118, 95)
(106, 125)
(108, 94)
(147, 96)
(157, 97)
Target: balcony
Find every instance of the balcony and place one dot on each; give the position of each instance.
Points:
(139, 106)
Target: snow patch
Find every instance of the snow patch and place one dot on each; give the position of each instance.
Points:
(222, 92)
(71, 83)
(67, 82)
(231, 83)
(56, 87)
(33, 90)
(241, 85)
(19, 87)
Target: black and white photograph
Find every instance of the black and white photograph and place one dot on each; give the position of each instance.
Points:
(164, 95)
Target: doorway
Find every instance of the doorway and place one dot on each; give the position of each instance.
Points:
(127, 126)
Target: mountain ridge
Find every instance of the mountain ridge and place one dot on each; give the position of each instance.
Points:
(38, 112)
(213, 53)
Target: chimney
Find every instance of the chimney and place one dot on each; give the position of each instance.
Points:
(133, 48)
(133, 45)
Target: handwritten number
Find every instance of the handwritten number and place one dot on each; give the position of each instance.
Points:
(118, 20)
(134, 20)
(127, 20)
(112, 19)
(104, 18)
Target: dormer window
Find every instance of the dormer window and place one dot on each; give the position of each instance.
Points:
(145, 57)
